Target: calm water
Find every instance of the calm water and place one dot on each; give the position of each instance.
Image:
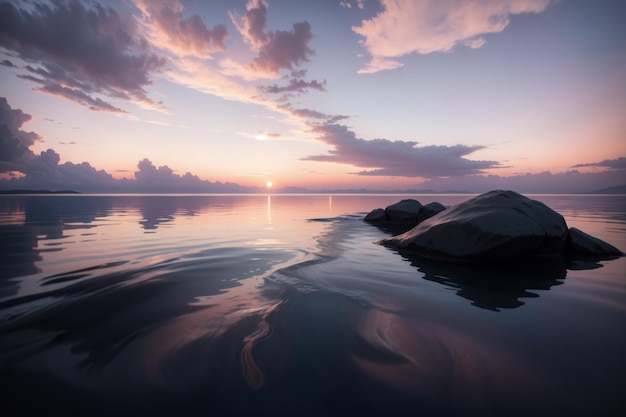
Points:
(283, 305)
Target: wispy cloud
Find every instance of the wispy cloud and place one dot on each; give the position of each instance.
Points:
(544, 182)
(619, 163)
(295, 85)
(167, 28)
(397, 158)
(7, 63)
(425, 26)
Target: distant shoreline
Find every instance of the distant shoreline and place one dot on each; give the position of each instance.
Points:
(294, 191)
(38, 192)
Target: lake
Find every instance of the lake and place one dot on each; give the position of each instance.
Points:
(283, 305)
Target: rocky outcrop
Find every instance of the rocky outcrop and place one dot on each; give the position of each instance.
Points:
(492, 227)
(581, 244)
(496, 226)
(408, 211)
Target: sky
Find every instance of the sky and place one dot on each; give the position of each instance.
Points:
(226, 96)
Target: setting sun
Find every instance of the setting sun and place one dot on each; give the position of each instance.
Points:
(268, 184)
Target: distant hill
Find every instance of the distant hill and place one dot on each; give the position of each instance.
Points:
(620, 189)
(38, 192)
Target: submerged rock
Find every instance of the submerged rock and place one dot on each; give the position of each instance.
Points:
(496, 226)
(580, 243)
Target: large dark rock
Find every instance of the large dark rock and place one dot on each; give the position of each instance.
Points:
(582, 244)
(496, 226)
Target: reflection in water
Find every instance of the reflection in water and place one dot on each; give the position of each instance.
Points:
(493, 287)
(219, 313)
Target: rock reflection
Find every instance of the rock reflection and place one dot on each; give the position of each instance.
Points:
(494, 287)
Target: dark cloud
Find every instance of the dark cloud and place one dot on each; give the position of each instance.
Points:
(14, 142)
(619, 163)
(7, 63)
(397, 158)
(80, 52)
(43, 171)
(189, 35)
(295, 85)
(284, 49)
(281, 49)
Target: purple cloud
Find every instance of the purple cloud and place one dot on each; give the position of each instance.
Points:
(541, 183)
(304, 113)
(277, 49)
(397, 158)
(619, 163)
(295, 85)
(14, 142)
(80, 52)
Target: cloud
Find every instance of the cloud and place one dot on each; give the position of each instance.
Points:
(295, 85)
(407, 26)
(7, 63)
(397, 158)
(25, 170)
(168, 28)
(304, 113)
(613, 164)
(359, 3)
(252, 24)
(81, 53)
(276, 49)
(14, 142)
(543, 182)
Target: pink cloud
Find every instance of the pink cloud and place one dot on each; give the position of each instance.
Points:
(407, 26)
(167, 27)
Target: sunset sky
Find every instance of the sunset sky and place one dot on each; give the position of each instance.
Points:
(137, 95)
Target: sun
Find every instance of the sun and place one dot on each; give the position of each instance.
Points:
(269, 184)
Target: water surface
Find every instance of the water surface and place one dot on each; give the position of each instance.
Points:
(239, 304)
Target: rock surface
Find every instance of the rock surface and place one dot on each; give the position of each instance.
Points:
(496, 226)
(407, 211)
(580, 243)
(404, 211)
(429, 210)
(376, 216)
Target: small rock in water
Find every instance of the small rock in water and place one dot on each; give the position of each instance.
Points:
(376, 216)
(580, 243)
(405, 211)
